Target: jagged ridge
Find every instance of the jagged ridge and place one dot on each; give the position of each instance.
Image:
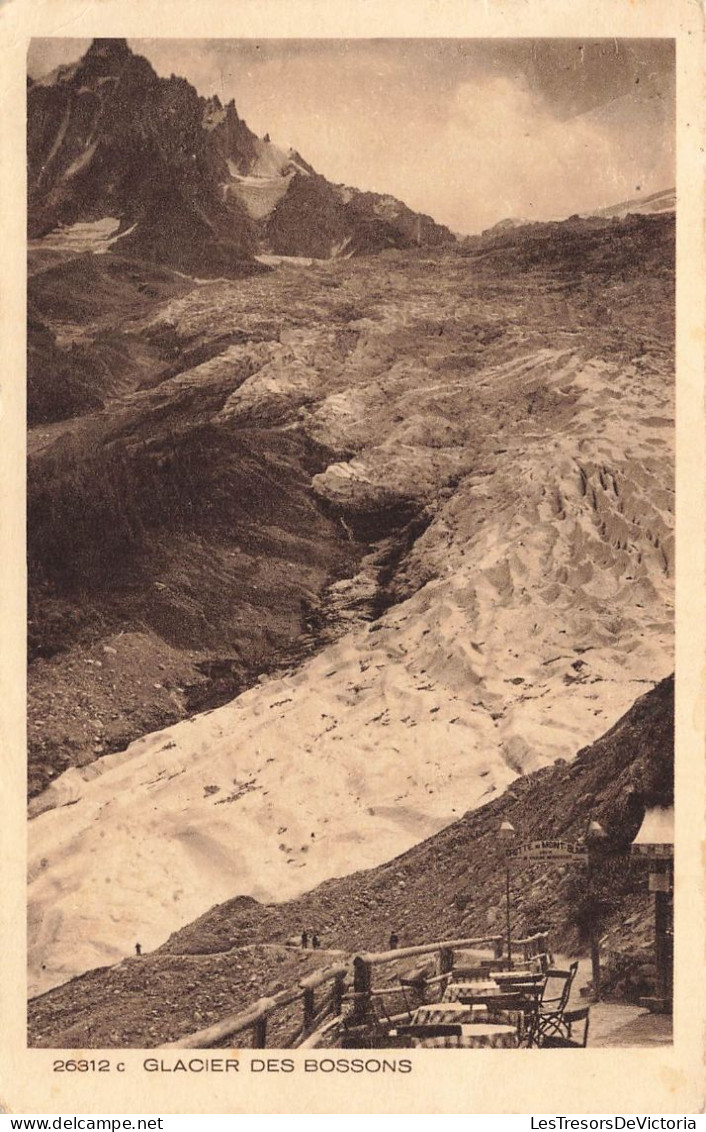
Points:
(190, 183)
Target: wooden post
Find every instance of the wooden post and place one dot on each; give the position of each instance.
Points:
(446, 965)
(663, 950)
(595, 946)
(259, 1034)
(309, 1010)
(446, 961)
(362, 985)
(498, 946)
(339, 986)
(597, 847)
(660, 885)
(508, 928)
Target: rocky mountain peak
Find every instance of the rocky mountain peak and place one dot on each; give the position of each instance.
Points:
(107, 58)
(108, 49)
(185, 176)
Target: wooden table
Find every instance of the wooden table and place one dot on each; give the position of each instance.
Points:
(517, 977)
(439, 1013)
(470, 988)
(478, 1035)
(513, 1003)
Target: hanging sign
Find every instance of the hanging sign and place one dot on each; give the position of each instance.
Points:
(555, 851)
(663, 852)
(660, 882)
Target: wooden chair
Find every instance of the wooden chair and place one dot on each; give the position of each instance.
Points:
(399, 996)
(375, 1017)
(416, 981)
(549, 1018)
(541, 962)
(573, 1020)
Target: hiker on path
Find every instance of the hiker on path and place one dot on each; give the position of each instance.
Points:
(138, 949)
(305, 939)
(394, 940)
(315, 940)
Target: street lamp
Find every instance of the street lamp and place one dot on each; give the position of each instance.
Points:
(506, 834)
(595, 831)
(595, 839)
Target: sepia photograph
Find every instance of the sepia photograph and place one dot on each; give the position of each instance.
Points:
(350, 543)
(354, 580)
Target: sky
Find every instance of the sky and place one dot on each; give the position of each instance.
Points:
(468, 131)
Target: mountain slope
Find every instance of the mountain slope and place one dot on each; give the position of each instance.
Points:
(501, 446)
(187, 181)
(664, 201)
(449, 886)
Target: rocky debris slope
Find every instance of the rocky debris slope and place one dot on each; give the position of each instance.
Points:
(453, 883)
(84, 340)
(515, 433)
(181, 180)
(450, 885)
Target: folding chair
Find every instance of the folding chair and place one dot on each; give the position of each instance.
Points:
(549, 1018)
(572, 1020)
(362, 1028)
(416, 981)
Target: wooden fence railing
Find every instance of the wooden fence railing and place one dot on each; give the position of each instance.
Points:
(334, 979)
(533, 947)
(256, 1017)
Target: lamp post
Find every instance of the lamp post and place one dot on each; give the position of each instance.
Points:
(655, 841)
(506, 834)
(595, 840)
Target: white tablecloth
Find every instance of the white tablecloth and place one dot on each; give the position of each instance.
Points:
(514, 976)
(472, 988)
(477, 1036)
(442, 1013)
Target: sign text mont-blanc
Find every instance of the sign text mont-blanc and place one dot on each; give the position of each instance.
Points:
(549, 851)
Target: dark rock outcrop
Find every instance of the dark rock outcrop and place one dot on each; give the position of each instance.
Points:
(108, 137)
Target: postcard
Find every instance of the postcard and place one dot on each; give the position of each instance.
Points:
(354, 575)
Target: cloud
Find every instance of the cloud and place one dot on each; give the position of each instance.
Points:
(504, 152)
